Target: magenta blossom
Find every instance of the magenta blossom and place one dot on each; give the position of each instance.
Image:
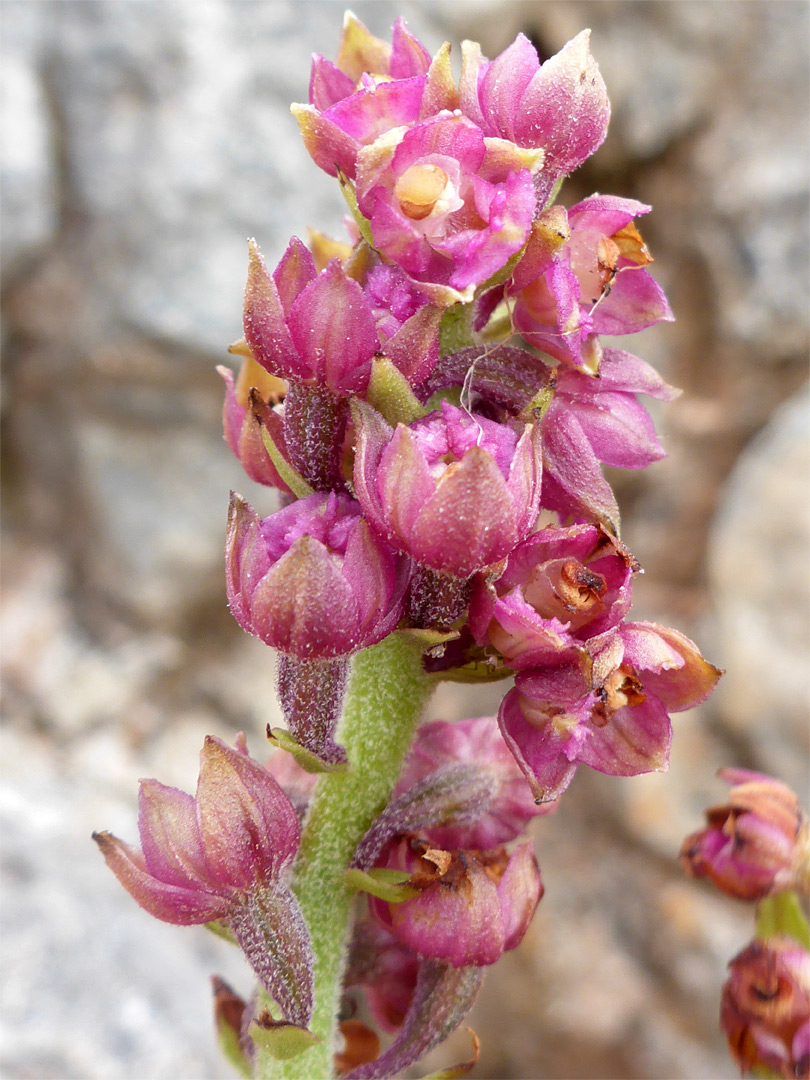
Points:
(560, 588)
(765, 1012)
(312, 580)
(610, 712)
(478, 743)
(756, 843)
(308, 327)
(372, 88)
(560, 107)
(595, 283)
(453, 490)
(224, 853)
(316, 583)
(472, 906)
(595, 420)
(444, 203)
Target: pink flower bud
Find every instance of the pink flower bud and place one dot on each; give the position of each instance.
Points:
(755, 844)
(765, 1012)
(472, 906)
(478, 743)
(560, 588)
(310, 328)
(455, 491)
(224, 853)
(312, 580)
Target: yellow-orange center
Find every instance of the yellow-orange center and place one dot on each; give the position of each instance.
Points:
(418, 190)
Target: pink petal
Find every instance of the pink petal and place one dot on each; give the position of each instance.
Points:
(565, 108)
(249, 827)
(635, 301)
(634, 740)
(334, 331)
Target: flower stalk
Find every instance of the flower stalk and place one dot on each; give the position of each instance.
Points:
(387, 693)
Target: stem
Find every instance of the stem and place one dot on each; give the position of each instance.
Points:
(387, 693)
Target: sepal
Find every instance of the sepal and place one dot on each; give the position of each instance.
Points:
(442, 998)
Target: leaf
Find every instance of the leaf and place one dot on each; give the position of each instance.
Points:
(782, 916)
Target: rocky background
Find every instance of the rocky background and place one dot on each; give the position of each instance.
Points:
(142, 142)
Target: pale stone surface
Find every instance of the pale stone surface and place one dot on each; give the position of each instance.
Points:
(143, 142)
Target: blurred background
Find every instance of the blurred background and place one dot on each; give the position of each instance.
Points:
(142, 143)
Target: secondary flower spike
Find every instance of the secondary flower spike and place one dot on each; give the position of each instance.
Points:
(756, 843)
(224, 853)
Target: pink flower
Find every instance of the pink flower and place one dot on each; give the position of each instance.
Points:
(756, 843)
(453, 490)
(443, 202)
(312, 580)
(224, 853)
(560, 588)
(560, 106)
(610, 712)
(472, 906)
(765, 1012)
(372, 88)
(478, 743)
(594, 283)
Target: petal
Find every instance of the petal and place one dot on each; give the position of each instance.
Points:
(619, 429)
(265, 327)
(294, 272)
(305, 607)
(519, 892)
(404, 484)
(469, 521)
(170, 836)
(570, 462)
(634, 740)
(409, 56)
(546, 754)
(503, 84)
(329, 146)
(635, 301)
(169, 903)
(622, 372)
(372, 436)
(680, 686)
(246, 559)
(334, 332)
(248, 826)
(327, 83)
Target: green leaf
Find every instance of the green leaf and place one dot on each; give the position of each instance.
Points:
(782, 916)
(308, 761)
(350, 196)
(382, 882)
(281, 1040)
(391, 395)
(294, 481)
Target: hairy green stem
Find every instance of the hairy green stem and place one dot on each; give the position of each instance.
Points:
(386, 696)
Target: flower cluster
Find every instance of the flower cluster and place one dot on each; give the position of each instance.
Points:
(756, 847)
(433, 402)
